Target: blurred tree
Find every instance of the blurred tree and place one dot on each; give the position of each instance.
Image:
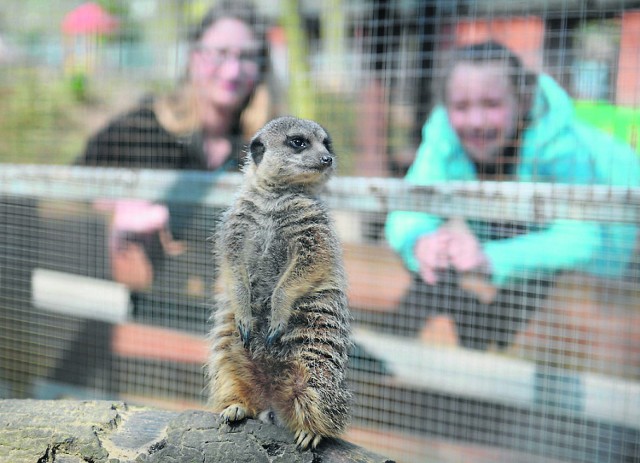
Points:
(301, 92)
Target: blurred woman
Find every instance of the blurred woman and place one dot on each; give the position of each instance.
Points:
(161, 251)
(220, 102)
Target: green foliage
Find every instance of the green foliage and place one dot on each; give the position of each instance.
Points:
(301, 95)
(336, 113)
(620, 122)
(38, 120)
(78, 86)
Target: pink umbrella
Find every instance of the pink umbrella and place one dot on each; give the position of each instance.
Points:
(88, 18)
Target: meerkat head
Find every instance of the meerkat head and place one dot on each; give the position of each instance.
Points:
(291, 151)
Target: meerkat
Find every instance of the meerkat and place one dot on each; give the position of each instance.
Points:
(281, 333)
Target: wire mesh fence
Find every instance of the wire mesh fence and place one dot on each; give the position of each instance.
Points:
(532, 354)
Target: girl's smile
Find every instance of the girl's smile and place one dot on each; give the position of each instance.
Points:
(482, 108)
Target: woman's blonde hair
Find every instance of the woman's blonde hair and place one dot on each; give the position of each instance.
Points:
(177, 111)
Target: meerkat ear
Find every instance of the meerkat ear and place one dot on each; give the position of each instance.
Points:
(257, 150)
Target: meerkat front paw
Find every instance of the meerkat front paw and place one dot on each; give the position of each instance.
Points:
(275, 333)
(233, 413)
(245, 333)
(304, 438)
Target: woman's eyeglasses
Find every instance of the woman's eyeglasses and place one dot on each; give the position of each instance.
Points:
(249, 60)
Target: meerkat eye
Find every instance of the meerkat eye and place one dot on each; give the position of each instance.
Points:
(328, 145)
(297, 143)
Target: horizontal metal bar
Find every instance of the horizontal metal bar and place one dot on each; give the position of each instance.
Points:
(532, 202)
(510, 381)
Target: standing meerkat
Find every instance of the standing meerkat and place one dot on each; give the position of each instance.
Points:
(281, 330)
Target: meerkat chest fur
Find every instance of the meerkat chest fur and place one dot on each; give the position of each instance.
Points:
(281, 232)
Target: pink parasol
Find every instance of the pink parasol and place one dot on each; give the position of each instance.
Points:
(88, 18)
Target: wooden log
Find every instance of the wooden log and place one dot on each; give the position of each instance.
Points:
(105, 431)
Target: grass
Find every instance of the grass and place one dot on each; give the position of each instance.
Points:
(46, 118)
(337, 114)
(37, 123)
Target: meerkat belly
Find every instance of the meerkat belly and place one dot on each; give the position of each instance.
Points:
(268, 261)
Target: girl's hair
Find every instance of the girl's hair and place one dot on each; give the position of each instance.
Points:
(524, 81)
(176, 112)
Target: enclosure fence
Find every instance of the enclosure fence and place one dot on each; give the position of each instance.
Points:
(567, 389)
(89, 309)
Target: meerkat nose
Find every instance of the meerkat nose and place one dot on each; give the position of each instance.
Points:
(326, 160)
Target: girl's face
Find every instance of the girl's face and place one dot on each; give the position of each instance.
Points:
(482, 108)
(224, 67)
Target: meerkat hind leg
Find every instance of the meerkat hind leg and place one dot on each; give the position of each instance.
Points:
(298, 406)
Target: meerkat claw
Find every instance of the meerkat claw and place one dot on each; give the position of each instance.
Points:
(233, 413)
(273, 336)
(306, 438)
(245, 335)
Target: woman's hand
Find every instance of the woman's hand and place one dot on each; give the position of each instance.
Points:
(134, 225)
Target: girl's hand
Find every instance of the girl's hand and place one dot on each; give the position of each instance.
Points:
(432, 252)
(468, 259)
(465, 251)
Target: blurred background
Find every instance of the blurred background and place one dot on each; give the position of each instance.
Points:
(567, 388)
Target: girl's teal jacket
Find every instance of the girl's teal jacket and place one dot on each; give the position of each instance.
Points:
(556, 148)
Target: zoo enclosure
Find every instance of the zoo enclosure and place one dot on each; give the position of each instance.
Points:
(568, 388)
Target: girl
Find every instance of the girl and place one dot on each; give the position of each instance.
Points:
(498, 121)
